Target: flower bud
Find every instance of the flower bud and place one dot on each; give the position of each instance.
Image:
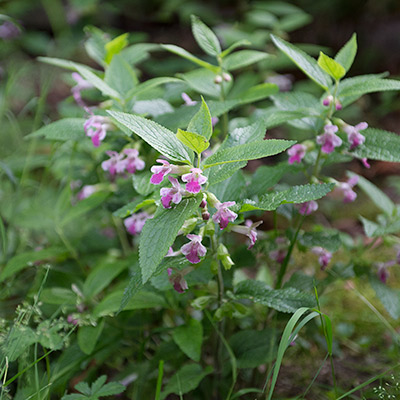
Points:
(226, 77)
(218, 79)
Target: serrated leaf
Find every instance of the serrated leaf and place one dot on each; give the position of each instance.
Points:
(137, 53)
(361, 87)
(120, 75)
(243, 58)
(332, 67)
(88, 337)
(389, 297)
(185, 54)
(248, 151)
(189, 338)
(296, 194)
(154, 107)
(283, 300)
(306, 63)
(205, 37)
(64, 129)
(194, 141)
(132, 207)
(347, 53)
(231, 188)
(141, 183)
(162, 139)
(379, 145)
(159, 234)
(115, 46)
(185, 380)
(327, 240)
(110, 389)
(201, 122)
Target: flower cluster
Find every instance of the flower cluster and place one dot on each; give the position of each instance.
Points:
(128, 160)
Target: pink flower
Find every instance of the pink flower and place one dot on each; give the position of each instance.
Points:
(324, 256)
(296, 153)
(87, 191)
(328, 139)
(308, 207)
(327, 101)
(173, 194)
(223, 215)
(353, 134)
(365, 162)
(135, 223)
(82, 84)
(178, 281)
(194, 179)
(96, 128)
(349, 195)
(194, 249)
(188, 101)
(133, 162)
(249, 230)
(278, 255)
(160, 171)
(116, 164)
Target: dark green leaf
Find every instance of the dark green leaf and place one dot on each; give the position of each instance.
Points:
(189, 338)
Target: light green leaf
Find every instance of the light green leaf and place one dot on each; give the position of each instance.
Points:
(205, 37)
(234, 46)
(201, 122)
(389, 297)
(136, 53)
(64, 129)
(185, 380)
(252, 133)
(361, 87)
(306, 63)
(347, 53)
(185, 54)
(189, 338)
(296, 194)
(59, 62)
(88, 336)
(257, 93)
(194, 141)
(154, 107)
(23, 260)
(159, 234)
(283, 300)
(332, 67)
(141, 183)
(18, 341)
(162, 139)
(132, 207)
(115, 46)
(327, 240)
(243, 58)
(248, 151)
(231, 188)
(120, 75)
(151, 84)
(58, 295)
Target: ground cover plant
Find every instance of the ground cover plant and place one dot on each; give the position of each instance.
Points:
(175, 236)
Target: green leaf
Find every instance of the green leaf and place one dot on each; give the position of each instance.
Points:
(243, 58)
(205, 37)
(59, 62)
(162, 139)
(231, 188)
(360, 87)
(185, 54)
(18, 341)
(248, 151)
(332, 67)
(257, 93)
(194, 141)
(115, 46)
(141, 183)
(201, 122)
(186, 379)
(120, 76)
(189, 338)
(64, 129)
(380, 199)
(327, 240)
(95, 45)
(234, 46)
(347, 53)
(379, 145)
(296, 194)
(389, 297)
(306, 63)
(137, 53)
(283, 300)
(132, 207)
(58, 295)
(151, 84)
(23, 260)
(110, 389)
(88, 337)
(154, 107)
(159, 234)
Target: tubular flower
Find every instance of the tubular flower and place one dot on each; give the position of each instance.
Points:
(249, 230)
(178, 281)
(87, 191)
(159, 171)
(134, 224)
(365, 162)
(354, 135)
(324, 256)
(188, 101)
(349, 195)
(296, 153)
(223, 215)
(96, 128)
(173, 194)
(328, 139)
(133, 162)
(308, 207)
(194, 179)
(82, 84)
(115, 164)
(194, 249)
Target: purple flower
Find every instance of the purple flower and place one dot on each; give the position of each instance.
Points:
(214, 121)
(8, 30)
(365, 162)
(160, 171)
(96, 128)
(178, 281)
(133, 162)
(328, 139)
(354, 135)
(327, 101)
(87, 191)
(349, 195)
(324, 256)
(173, 194)
(194, 249)
(278, 255)
(82, 84)
(188, 101)
(116, 163)
(194, 179)
(223, 215)
(296, 153)
(284, 82)
(383, 273)
(249, 230)
(308, 207)
(135, 223)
